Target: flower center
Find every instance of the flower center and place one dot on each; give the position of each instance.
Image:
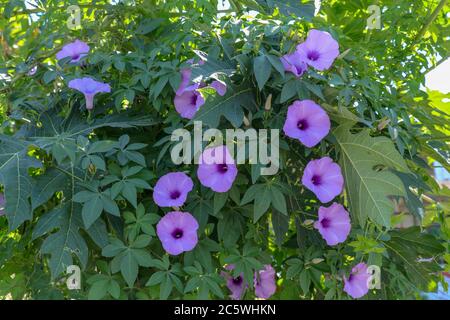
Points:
(237, 281)
(325, 222)
(194, 99)
(75, 57)
(222, 168)
(299, 69)
(177, 233)
(175, 194)
(313, 55)
(302, 125)
(316, 180)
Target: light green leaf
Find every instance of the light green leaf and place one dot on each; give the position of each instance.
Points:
(367, 186)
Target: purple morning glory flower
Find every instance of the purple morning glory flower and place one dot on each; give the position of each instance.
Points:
(89, 87)
(185, 80)
(307, 122)
(333, 224)
(324, 178)
(236, 285)
(171, 190)
(2, 204)
(357, 283)
(188, 101)
(264, 281)
(293, 62)
(220, 87)
(217, 169)
(75, 50)
(319, 50)
(177, 232)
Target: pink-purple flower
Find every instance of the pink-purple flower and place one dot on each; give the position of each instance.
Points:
(319, 50)
(357, 284)
(324, 178)
(217, 169)
(75, 50)
(333, 224)
(236, 285)
(264, 281)
(188, 101)
(292, 62)
(89, 87)
(219, 86)
(177, 232)
(2, 204)
(307, 122)
(171, 190)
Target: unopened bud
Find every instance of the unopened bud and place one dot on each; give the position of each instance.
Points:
(268, 104)
(317, 260)
(308, 222)
(246, 122)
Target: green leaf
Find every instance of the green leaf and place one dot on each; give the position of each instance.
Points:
(368, 187)
(165, 288)
(92, 210)
(220, 198)
(228, 106)
(289, 90)
(262, 69)
(129, 268)
(278, 200)
(14, 165)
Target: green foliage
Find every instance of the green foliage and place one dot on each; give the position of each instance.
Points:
(78, 184)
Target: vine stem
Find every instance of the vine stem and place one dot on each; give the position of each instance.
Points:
(430, 20)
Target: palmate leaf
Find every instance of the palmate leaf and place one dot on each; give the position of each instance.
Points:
(14, 165)
(228, 106)
(66, 218)
(58, 135)
(365, 162)
(298, 8)
(407, 246)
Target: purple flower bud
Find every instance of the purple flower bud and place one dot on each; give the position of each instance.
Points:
(177, 232)
(89, 88)
(333, 224)
(324, 178)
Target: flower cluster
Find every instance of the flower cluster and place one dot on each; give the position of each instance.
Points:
(306, 121)
(87, 86)
(264, 283)
(318, 51)
(188, 98)
(309, 123)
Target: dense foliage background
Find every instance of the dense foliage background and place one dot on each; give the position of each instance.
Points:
(387, 131)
